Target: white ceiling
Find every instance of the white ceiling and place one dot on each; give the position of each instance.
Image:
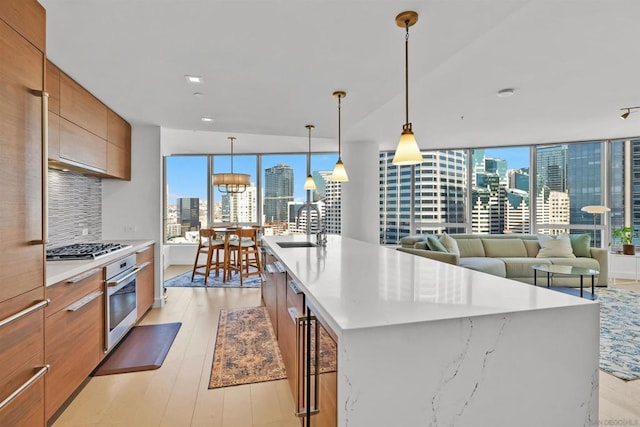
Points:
(270, 66)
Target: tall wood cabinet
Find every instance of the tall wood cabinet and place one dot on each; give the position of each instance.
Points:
(22, 364)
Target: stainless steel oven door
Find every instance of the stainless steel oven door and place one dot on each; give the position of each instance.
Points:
(121, 307)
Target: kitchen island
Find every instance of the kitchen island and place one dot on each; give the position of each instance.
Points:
(431, 344)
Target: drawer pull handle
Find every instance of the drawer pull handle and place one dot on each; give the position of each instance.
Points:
(133, 273)
(144, 265)
(81, 277)
(84, 301)
(43, 370)
(294, 287)
(270, 269)
(263, 277)
(141, 251)
(306, 327)
(279, 266)
(27, 311)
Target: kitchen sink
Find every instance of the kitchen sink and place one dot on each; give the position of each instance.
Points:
(296, 244)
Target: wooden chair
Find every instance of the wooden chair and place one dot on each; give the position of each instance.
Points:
(207, 246)
(244, 253)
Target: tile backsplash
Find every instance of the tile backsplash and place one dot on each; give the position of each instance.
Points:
(75, 208)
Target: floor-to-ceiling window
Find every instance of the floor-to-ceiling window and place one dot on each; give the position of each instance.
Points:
(272, 199)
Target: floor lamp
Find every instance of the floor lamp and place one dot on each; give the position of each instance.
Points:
(595, 210)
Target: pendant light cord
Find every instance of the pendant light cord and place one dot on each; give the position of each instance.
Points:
(406, 70)
(309, 152)
(231, 140)
(339, 144)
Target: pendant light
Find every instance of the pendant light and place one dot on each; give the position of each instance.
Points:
(407, 152)
(309, 184)
(339, 172)
(231, 182)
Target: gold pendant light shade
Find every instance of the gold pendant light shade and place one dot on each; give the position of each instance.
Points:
(407, 151)
(339, 172)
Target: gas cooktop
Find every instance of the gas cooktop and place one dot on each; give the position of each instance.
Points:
(83, 251)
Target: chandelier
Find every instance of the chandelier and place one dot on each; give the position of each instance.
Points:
(231, 182)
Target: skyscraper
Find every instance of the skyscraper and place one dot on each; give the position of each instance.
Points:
(188, 213)
(551, 168)
(278, 192)
(240, 207)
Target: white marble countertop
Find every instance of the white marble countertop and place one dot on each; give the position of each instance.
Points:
(354, 285)
(63, 270)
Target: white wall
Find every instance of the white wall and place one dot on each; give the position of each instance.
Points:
(132, 210)
(360, 196)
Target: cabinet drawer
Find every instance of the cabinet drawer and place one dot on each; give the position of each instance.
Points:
(144, 255)
(27, 409)
(65, 293)
(21, 344)
(74, 347)
(145, 284)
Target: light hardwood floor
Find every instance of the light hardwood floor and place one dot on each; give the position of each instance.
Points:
(177, 394)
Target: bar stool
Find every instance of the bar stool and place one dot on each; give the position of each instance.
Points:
(244, 253)
(208, 244)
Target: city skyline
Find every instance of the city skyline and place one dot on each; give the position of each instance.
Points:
(187, 175)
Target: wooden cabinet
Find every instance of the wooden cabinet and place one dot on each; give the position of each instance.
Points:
(85, 135)
(22, 360)
(291, 306)
(145, 280)
(74, 335)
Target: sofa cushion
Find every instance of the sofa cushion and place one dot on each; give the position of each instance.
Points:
(502, 248)
(486, 265)
(558, 247)
(420, 245)
(434, 244)
(450, 243)
(532, 246)
(580, 244)
(522, 267)
(470, 248)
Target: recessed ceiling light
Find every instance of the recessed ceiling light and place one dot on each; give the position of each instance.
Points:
(206, 119)
(505, 93)
(193, 79)
(198, 94)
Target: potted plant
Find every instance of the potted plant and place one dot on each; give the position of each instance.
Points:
(625, 234)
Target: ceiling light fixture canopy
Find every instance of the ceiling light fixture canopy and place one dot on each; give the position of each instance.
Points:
(625, 115)
(309, 184)
(339, 172)
(231, 183)
(407, 152)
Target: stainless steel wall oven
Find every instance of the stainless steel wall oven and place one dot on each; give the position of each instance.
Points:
(121, 308)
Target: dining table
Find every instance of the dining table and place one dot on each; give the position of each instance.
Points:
(227, 232)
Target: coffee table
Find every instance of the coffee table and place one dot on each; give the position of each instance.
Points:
(566, 270)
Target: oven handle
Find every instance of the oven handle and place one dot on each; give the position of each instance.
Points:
(122, 279)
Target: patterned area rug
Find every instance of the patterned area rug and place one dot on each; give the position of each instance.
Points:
(184, 281)
(247, 351)
(620, 332)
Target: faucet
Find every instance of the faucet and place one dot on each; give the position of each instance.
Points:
(321, 234)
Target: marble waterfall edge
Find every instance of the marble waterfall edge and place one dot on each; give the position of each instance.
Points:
(530, 369)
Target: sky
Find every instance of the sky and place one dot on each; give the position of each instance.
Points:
(187, 175)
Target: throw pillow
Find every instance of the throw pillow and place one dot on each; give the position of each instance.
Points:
(450, 243)
(558, 247)
(435, 245)
(420, 245)
(580, 243)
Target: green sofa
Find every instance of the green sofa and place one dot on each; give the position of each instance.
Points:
(508, 255)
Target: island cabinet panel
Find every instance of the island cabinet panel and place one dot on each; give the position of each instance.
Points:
(81, 146)
(145, 280)
(74, 335)
(22, 76)
(79, 106)
(269, 295)
(21, 356)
